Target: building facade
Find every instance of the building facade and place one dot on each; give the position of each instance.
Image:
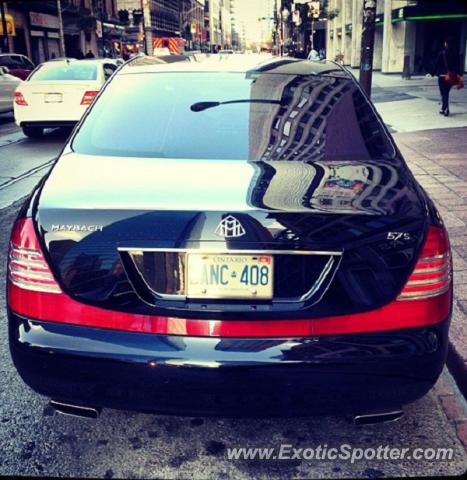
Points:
(147, 20)
(218, 24)
(192, 24)
(236, 40)
(226, 23)
(408, 35)
(215, 24)
(299, 26)
(88, 25)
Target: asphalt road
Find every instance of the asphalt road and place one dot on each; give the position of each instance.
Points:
(35, 441)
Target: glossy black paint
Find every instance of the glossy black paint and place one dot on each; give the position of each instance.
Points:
(336, 182)
(158, 209)
(241, 377)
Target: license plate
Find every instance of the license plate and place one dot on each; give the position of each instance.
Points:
(53, 98)
(230, 276)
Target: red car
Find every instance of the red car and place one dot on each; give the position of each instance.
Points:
(18, 65)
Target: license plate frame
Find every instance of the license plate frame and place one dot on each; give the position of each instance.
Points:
(53, 98)
(235, 289)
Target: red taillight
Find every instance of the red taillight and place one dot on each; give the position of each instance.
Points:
(88, 97)
(27, 268)
(432, 275)
(19, 99)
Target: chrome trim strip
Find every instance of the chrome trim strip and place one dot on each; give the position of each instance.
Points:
(91, 412)
(322, 276)
(429, 281)
(36, 288)
(433, 259)
(31, 274)
(159, 295)
(25, 251)
(374, 418)
(209, 251)
(440, 268)
(423, 295)
(315, 287)
(27, 263)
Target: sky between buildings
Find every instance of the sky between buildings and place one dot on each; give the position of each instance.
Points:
(248, 12)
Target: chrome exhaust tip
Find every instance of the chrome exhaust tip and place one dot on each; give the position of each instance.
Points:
(75, 410)
(377, 417)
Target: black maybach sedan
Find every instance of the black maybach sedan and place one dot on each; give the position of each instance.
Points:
(230, 237)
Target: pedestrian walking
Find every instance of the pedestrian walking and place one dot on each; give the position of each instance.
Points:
(447, 71)
(89, 54)
(313, 55)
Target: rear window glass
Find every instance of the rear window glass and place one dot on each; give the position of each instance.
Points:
(11, 61)
(65, 71)
(233, 116)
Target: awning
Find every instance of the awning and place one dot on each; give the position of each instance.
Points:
(437, 10)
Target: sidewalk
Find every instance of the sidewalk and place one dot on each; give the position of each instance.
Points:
(438, 158)
(390, 80)
(412, 105)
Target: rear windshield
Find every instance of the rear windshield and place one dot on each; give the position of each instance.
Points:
(65, 71)
(233, 116)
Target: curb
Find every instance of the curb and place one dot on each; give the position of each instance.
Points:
(458, 369)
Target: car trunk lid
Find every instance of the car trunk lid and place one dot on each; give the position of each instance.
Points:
(56, 94)
(117, 230)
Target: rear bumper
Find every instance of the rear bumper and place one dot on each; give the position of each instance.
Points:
(49, 123)
(353, 373)
(47, 116)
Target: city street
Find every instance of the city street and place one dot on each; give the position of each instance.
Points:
(36, 441)
(24, 161)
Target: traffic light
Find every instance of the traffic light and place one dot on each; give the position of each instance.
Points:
(124, 16)
(137, 16)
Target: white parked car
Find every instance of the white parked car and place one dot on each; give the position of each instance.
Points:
(57, 93)
(8, 84)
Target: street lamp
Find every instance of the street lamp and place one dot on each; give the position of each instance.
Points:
(60, 25)
(284, 17)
